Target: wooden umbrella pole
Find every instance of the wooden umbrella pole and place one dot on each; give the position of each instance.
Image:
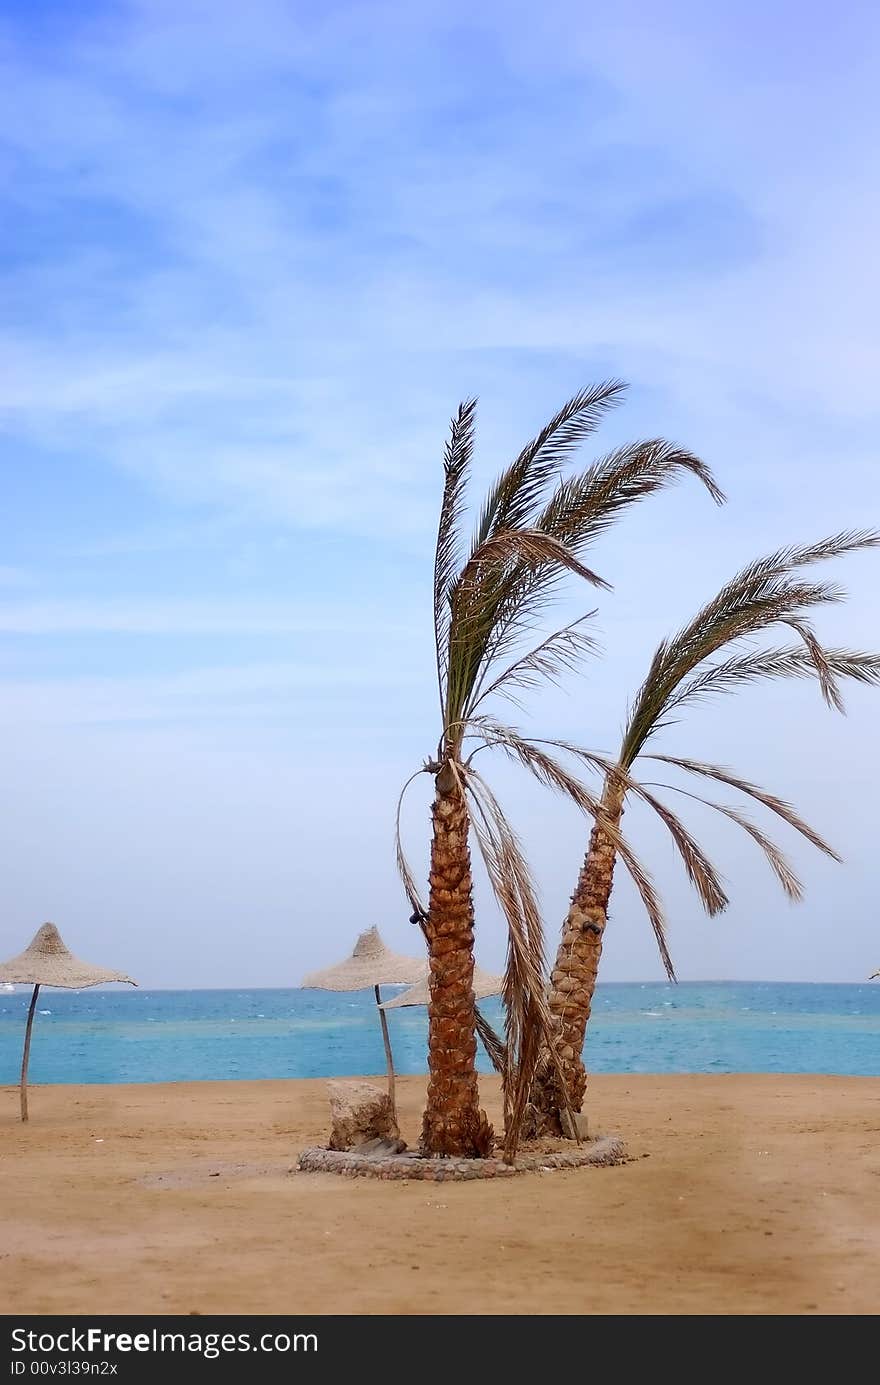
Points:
(388, 1057)
(27, 1052)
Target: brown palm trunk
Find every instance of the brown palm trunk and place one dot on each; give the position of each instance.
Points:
(573, 980)
(453, 1122)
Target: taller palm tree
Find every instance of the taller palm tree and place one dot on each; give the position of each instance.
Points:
(532, 529)
(768, 592)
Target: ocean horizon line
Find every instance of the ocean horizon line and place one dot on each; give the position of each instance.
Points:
(118, 989)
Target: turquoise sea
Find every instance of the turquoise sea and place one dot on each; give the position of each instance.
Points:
(165, 1036)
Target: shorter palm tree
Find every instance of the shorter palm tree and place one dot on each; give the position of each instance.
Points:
(769, 592)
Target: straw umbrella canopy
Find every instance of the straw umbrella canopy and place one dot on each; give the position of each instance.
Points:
(47, 962)
(371, 964)
(485, 984)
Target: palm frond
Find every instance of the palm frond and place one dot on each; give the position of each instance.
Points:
(563, 650)
(763, 594)
(822, 665)
(492, 1042)
(448, 555)
(578, 512)
(584, 506)
(403, 867)
(803, 555)
(552, 774)
(765, 664)
(473, 610)
(527, 1016)
(776, 805)
(702, 874)
(776, 858)
(514, 497)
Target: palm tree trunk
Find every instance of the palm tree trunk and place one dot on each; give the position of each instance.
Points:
(453, 1122)
(573, 980)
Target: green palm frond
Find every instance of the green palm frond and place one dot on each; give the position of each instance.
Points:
(583, 507)
(736, 672)
(578, 512)
(803, 555)
(448, 554)
(765, 593)
(516, 494)
(472, 604)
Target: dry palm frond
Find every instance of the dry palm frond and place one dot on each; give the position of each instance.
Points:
(531, 548)
(448, 555)
(776, 805)
(563, 650)
(403, 867)
(554, 775)
(776, 858)
(824, 671)
(492, 1042)
(528, 1019)
(702, 874)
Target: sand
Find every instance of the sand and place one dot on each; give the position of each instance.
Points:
(745, 1194)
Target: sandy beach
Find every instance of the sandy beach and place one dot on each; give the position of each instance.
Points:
(744, 1194)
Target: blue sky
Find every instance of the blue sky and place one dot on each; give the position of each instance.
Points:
(250, 259)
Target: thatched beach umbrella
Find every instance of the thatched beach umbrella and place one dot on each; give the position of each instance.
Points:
(485, 984)
(47, 962)
(371, 964)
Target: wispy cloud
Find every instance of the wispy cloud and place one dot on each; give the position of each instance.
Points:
(251, 695)
(285, 247)
(190, 618)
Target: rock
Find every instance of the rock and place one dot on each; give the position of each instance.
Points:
(581, 1129)
(359, 1113)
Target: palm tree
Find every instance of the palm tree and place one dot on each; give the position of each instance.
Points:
(533, 528)
(768, 592)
